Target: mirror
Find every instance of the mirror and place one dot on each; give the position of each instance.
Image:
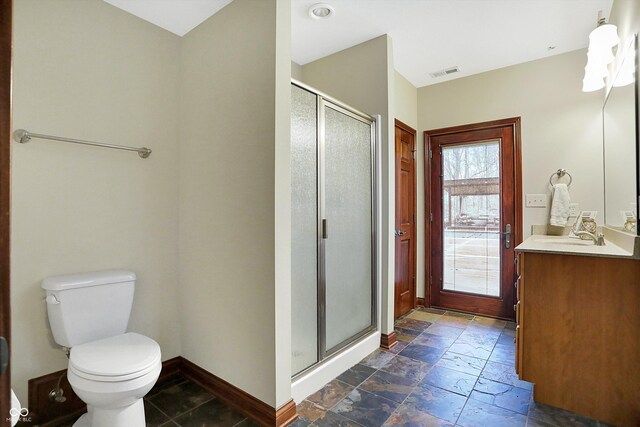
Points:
(621, 146)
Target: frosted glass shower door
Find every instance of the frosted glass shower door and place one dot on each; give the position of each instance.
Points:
(332, 227)
(347, 195)
(304, 230)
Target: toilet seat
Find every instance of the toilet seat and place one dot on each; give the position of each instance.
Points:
(119, 358)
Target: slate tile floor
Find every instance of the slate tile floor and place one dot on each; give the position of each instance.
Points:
(181, 403)
(448, 369)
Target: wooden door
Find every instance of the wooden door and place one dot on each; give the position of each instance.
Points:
(5, 185)
(405, 232)
(474, 217)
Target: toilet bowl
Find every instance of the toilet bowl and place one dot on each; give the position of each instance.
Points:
(110, 369)
(112, 376)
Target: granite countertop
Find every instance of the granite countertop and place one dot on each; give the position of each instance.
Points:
(617, 245)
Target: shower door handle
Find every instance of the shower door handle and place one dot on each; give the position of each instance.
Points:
(507, 236)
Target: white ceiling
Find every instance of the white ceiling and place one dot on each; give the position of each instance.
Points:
(177, 16)
(428, 35)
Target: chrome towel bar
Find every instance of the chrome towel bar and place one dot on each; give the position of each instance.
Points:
(560, 173)
(22, 136)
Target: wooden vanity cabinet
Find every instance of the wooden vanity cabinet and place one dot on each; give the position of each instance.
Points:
(578, 333)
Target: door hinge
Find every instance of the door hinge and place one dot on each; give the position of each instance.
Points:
(414, 154)
(431, 217)
(415, 219)
(430, 280)
(430, 153)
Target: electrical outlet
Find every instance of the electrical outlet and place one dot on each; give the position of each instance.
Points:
(536, 200)
(574, 210)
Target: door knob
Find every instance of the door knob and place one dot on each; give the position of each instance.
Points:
(400, 233)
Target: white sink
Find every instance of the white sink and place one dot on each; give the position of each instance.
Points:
(615, 245)
(565, 241)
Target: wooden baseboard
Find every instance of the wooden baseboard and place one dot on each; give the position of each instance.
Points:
(420, 302)
(41, 409)
(171, 369)
(259, 411)
(286, 414)
(45, 413)
(388, 341)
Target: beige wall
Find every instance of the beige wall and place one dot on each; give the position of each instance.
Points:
(296, 71)
(406, 101)
(363, 77)
(84, 69)
(282, 200)
(230, 102)
(561, 125)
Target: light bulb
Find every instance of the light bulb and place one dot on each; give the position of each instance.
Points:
(605, 35)
(592, 83)
(596, 69)
(598, 54)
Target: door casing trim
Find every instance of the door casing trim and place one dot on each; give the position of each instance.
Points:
(414, 243)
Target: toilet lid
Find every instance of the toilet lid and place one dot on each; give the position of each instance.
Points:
(119, 356)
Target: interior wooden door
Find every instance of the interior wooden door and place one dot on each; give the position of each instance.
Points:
(405, 233)
(5, 186)
(474, 216)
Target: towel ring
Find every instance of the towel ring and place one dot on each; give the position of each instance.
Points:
(560, 173)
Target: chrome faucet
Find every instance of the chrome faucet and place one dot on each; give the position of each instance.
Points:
(598, 238)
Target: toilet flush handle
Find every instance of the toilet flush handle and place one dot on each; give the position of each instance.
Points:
(51, 299)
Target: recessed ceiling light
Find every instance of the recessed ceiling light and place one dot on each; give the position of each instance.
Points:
(321, 11)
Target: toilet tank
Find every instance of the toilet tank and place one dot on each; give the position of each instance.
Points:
(89, 306)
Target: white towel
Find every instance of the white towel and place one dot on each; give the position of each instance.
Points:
(560, 205)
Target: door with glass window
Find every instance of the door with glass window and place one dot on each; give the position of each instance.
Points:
(473, 223)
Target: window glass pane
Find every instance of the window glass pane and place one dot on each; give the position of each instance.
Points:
(471, 218)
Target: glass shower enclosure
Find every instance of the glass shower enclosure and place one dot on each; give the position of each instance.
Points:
(333, 226)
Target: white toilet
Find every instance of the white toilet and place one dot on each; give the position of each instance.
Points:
(110, 370)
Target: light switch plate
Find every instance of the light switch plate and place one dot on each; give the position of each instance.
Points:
(536, 200)
(574, 210)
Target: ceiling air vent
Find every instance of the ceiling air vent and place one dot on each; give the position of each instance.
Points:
(445, 72)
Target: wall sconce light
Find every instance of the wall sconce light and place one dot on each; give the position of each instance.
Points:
(601, 41)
